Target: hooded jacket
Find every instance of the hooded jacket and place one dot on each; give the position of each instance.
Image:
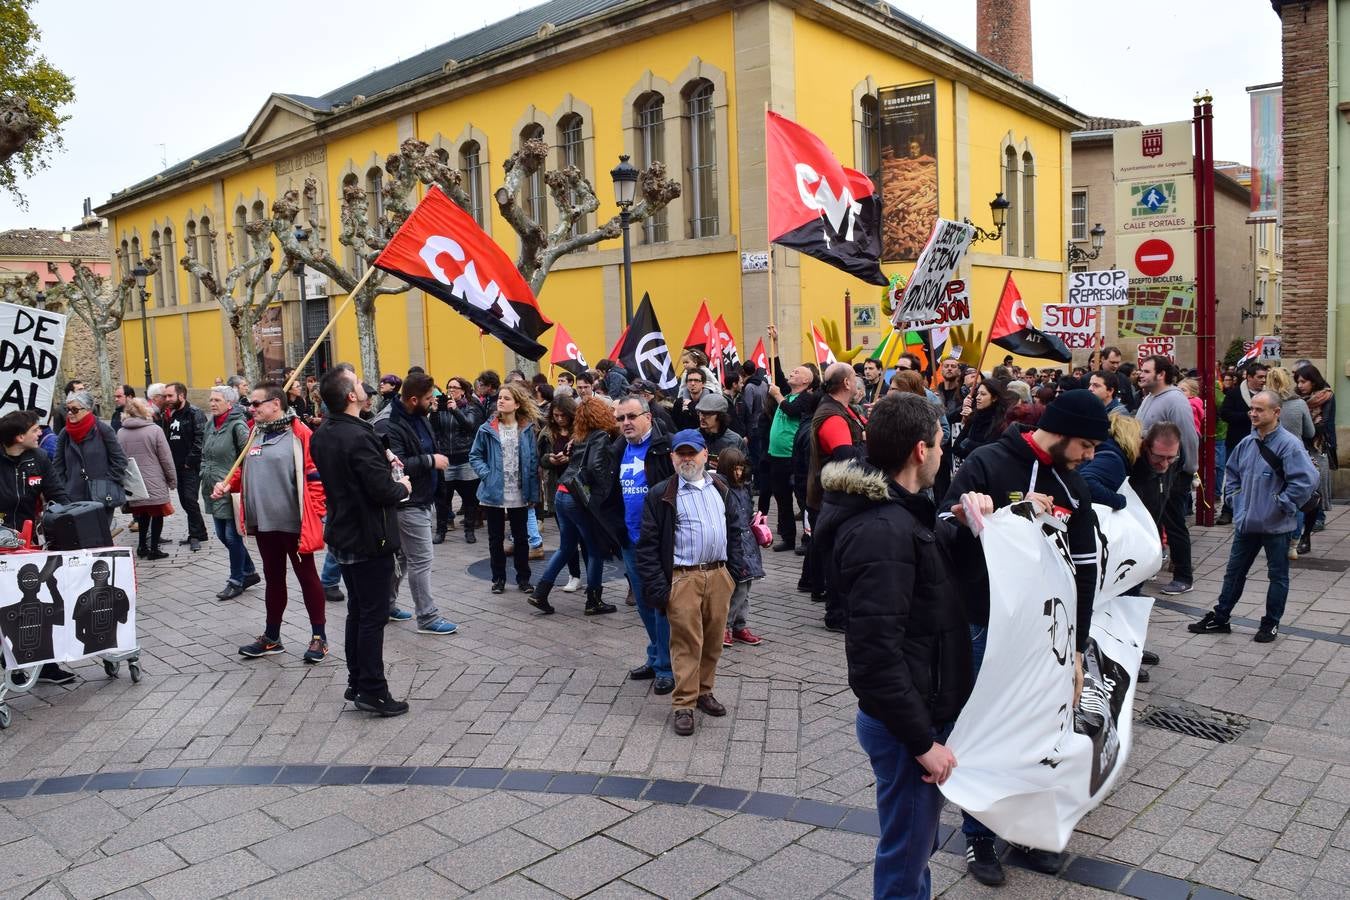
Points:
(400, 430)
(1007, 470)
(23, 479)
(143, 441)
(1105, 473)
(907, 640)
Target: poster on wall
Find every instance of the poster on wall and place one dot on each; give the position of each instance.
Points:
(271, 343)
(30, 357)
(1161, 312)
(1267, 151)
(909, 168)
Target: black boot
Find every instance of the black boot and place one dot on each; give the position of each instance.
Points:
(156, 529)
(469, 537)
(143, 540)
(595, 606)
(439, 537)
(539, 597)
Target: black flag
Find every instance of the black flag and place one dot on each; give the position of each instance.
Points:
(644, 352)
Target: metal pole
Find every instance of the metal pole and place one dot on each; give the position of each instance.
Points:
(145, 340)
(304, 317)
(627, 269)
(1205, 302)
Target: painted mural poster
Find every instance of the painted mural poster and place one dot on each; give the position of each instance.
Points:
(1267, 150)
(909, 168)
(270, 341)
(1158, 312)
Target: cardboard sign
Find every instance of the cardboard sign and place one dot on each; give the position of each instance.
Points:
(1077, 326)
(1158, 346)
(30, 357)
(1108, 288)
(952, 311)
(937, 264)
(59, 607)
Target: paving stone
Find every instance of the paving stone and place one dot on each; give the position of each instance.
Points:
(586, 866)
(322, 880)
(689, 870)
(657, 829)
(482, 862)
(200, 844)
(810, 873)
(1224, 871)
(106, 876)
(483, 815)
(311, 842)
(386, 856)
(755, 837)
(1286, 870)
(28, 859)
(575, 819)
(515, 887)
(414, 884)
(218, 877)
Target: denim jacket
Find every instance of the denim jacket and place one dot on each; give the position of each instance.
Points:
(486, 458)
(1262, 503)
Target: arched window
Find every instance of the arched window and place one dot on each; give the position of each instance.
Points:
(869, 150)
(355, 260)
(533, 193)
(157, 250)
(208, 249)
(649, 148)
(572, 152)
(192, 249)
(471, 173)
(1012, 245)
(243, 251)
(259, 210)
(135, 252)
(124, 259)
(375, 200)
(700, 141)
(1028, 205)
(170, 268)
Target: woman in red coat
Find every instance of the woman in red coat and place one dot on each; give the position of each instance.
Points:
(283, 507)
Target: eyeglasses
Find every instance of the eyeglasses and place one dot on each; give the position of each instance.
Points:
(257, 403)
(630, 417)
(74, 409)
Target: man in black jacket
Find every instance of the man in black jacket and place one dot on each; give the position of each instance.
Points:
(907, 641)
(454, 422)
(688, 545)
(1035, 464)
(835, 435)
(362, 530)
(1235, 410)
(185, 427)
(409, 437)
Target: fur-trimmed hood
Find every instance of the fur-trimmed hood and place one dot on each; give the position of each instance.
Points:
(856, 478)
(855, 488)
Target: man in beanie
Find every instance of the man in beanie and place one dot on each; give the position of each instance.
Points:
(1036, 464)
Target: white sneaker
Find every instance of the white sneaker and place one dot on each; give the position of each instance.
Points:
(1293, 552)
(572, 585)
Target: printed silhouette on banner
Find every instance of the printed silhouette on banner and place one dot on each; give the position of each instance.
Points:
(98, 610)
(28, 624)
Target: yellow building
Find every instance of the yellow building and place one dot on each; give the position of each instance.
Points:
(682, 82)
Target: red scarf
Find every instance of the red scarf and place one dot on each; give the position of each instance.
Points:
(220, 419)
(78, 431)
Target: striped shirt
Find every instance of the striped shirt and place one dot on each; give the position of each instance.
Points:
(700, 524)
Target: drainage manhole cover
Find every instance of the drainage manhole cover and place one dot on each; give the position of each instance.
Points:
(1220, 728)
(483, 570)
(1321, 564)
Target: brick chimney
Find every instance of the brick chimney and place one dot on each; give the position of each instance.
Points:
(1003, 34)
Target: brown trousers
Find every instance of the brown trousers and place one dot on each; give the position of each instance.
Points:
(698, 619)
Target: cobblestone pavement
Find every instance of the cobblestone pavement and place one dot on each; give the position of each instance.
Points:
(368, 806)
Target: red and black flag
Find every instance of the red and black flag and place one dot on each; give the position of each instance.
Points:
(441, 250)
(818, 207)
(700, 331)
(643, 349)
(1012, 329)
(731, 357)
(566, 354)
(759, 357)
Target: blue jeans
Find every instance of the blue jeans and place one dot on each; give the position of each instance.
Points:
(908, 809)
(532, 530)
(657, 625)
(331, 576)
(1240, 559)
(574, 531)
(241, 564)
(972, 827)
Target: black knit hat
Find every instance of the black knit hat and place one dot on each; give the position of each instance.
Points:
(1076, 414)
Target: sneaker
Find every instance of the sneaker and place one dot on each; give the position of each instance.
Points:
(333, 594)
(385, 706)
(318, 649)
(525, 587)
(1319, 526)
(51, 673)
(1304, 546)
(746, 636)
(1210, 624)
(499, 587)
(261, 646)
(537, 552)
(726, 638)
(1177, 586)
(440, 626)
(982, 862)
(1293, 552)
(572, 586)
(1264, 635)
(399, 614)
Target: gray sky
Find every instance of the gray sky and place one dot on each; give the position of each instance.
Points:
(1143, 62)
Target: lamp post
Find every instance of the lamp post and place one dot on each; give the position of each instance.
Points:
(998, 208)
(625, 177)
(1079, 255)
(140, 273)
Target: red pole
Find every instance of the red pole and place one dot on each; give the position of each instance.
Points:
(848, 319)
(1205, 301)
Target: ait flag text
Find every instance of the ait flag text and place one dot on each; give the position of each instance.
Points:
(1012, 329)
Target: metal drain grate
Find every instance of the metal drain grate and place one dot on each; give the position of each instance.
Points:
(1183, 722)
(1322, 564)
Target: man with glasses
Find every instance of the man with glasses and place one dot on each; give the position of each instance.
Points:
(643, 452)
(1164, 402)
(685, 412)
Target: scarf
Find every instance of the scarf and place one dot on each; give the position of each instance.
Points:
(1246, 393)
(277, 426)
(78, 431)
(220, 419)
(1316, 401)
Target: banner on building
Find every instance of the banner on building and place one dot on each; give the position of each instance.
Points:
(59, 607)
(1267, 151)
(1030, 764)
(1157, 346)
(269, 339)
(30, 357)
(909, 168)
(1153, 151)
(1161, 312)
(1077, 326)
(1155, 204)
(1106, 288)
(937, 264)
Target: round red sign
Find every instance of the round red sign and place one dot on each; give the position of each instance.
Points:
(1154, 257)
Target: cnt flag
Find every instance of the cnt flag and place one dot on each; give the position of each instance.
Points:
(566, 354)
(759, 357)
(643, 349)
(441, 249)
(818, 207)
(731, 357)
(1254, 353)
(701, 330)
(1012, 329)
(824, 355)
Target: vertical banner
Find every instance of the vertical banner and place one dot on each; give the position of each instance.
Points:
(271, 343)
(909, 168)
(30, 357)
(1267, 150)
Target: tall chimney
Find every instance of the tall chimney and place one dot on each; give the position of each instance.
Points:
(1003, 34)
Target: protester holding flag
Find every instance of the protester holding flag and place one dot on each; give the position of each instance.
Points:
(505, 456)
(792, 401)
(1012, 329)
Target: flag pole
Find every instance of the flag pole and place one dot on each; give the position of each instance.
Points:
(985, 349)
(773, 309)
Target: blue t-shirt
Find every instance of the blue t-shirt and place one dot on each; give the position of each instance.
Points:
(633, 482)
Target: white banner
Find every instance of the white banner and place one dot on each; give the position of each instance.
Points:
(1029, 765)
(937, 264)
(952, 311)
(30, 357)
(58, 607)
(1076, 326)
(1109, 287)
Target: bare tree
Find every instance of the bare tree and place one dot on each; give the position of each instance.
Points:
(24, 291)
(101, 303)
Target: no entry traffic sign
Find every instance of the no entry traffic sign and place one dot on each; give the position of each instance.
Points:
(1154, 257)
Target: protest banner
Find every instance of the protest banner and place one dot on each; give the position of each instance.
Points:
(937, 264)
(952, 311)
(64, 606)
(1029, 764)
(1158, 346)
(1107, 288)
(1076, 326)
(30, 357)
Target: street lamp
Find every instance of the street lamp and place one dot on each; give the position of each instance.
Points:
(1257, 311)
(625, 177)
(998, 208)
(1079, 255)
(140, 273)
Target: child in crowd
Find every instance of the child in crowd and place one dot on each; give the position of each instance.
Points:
(735, 468)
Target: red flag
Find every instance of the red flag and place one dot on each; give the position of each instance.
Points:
(1254, 353)
(698, 332)
(730, 355)
(441, 249)
(1012, 329)
(759, 357)
(817, 206)
(715, 355)
(614, 353)
(566, 353)
(824, 355)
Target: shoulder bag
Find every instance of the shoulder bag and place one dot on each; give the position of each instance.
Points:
(103, 490)
(1273, 460)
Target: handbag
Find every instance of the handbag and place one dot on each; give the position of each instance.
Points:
(133, 483)
(1314, 502)
(759, 527)
(102, 490)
